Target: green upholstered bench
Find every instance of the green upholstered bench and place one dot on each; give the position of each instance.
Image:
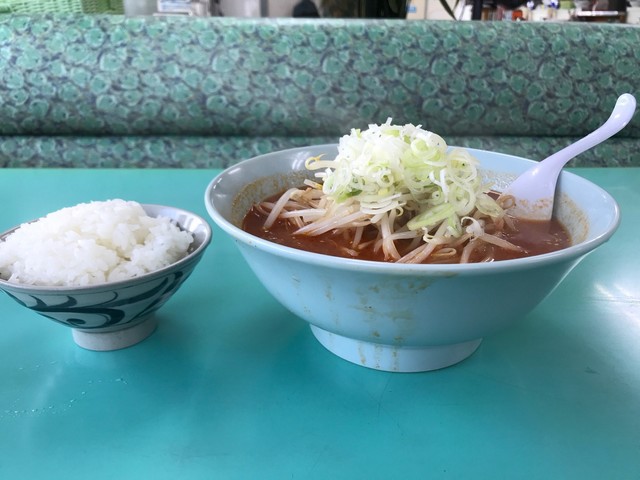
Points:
(111, 91)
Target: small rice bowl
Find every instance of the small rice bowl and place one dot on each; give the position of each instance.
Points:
(91, 243)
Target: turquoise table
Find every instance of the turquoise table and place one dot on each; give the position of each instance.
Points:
(232, 386)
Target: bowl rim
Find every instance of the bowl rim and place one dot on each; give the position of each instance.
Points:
(107, 286)
(328, 261)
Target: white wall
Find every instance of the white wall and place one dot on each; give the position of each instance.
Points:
(251, 8)
(240, 8)
(436, 12)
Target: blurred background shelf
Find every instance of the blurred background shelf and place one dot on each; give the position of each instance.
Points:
(61, 6)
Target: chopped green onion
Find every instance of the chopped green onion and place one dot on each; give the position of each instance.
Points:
(433, 216)
(404, 168)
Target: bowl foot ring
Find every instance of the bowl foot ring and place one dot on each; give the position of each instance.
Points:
(392, 358)
(107, 341)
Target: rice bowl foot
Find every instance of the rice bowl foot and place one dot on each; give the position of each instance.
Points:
(108, 341)
(391, 358)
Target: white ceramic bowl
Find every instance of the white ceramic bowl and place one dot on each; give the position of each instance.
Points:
(116, 315)
(401, 317)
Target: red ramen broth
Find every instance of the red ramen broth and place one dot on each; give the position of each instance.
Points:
(534, 238)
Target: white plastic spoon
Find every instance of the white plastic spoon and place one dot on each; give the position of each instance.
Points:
(534, 190)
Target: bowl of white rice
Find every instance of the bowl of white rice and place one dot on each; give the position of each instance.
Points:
(102, 268)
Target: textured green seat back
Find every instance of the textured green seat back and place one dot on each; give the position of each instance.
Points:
(145, 91)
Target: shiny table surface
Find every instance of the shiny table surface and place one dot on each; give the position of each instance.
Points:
(233, 386)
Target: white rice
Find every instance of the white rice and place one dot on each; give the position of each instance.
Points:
(91, 243)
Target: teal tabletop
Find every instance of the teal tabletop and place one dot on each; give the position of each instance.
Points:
(233, 386)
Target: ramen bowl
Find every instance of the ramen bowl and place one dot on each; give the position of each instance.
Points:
(116, 315)
(403, 317)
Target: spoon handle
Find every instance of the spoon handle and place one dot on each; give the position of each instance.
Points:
(534, 190)
(619, 118)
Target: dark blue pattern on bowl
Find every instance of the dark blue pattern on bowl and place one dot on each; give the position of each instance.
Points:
(82, 311)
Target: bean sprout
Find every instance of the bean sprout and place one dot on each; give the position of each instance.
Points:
(406, 183)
